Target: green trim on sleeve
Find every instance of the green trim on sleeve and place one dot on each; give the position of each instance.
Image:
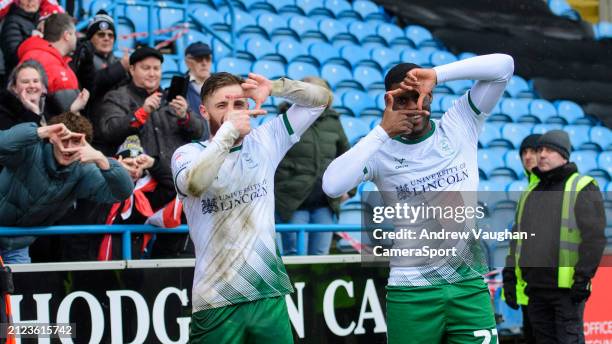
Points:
(474, 108)
(235, 149)
(287, 124)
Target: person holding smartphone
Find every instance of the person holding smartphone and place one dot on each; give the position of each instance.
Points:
(162, 125)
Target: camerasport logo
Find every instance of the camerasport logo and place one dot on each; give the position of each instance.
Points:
(402, 163)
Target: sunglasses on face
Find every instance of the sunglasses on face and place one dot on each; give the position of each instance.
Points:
(101, 34)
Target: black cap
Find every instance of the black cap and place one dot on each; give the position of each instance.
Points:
(144, 52)
(198, 49)
(557, 140)
(396, 74)
(531, 141)
(101, 21)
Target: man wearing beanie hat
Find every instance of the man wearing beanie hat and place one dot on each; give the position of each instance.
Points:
(140, 108)
(97, 68)
(563, 217)
(513, 289)
(410, 157)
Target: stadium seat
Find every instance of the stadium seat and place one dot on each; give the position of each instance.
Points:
(354, 54)
(585, 160)
(308, 6)
(490, 159)
(420, 36)
(389, 32)
(357, 101)
(569, 110)
(365, 8)
(335, 73)
(207, 15)
(361, 30)
(234, 66)
(543, 128)
(291, 50)
(512, 160)
(385, 57)
(515, 108)
(604, 161)
(578, 134)
(244, 22)
(327, 53)
(220, 50)
(439, 58)
(367, 76)
(419, 57)
(269, 69)
(458, 87)
(602, 136)
(259, 48)
(341, 9)
(466, 55)
(517, 87)
(298, 70)
(139, 15)
(169, 17)
(490, 131)
(380, 101)
(516, 188)
(542, 109)
(331, 28)
(271, 22)
(170, 66)
(124, 29)
(302, 25)
(515, 132)
(353, 128)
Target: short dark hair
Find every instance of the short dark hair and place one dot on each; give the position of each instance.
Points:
(217, 81)
(56, 25)
(75, 123)
(397, 74)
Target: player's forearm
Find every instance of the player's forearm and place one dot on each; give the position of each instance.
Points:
(346, 171)
(204, 171)
(301, 93)
(493, 67)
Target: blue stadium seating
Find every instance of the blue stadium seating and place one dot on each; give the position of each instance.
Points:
(515, 188)
(170, 66)
(269, 69)
(341, 9)
(259, 48)
(385, 57)
(517, 87)
(353, 128)
(602, 136)
(419, 57)
(569, 110)
(542, 109)
(207, 15)
(543, 128)
(579, 134)
(326, 53)
(420, 36)
(365, 8)
(169, 17)
(298, 70)
(604, 161)
(335, 73)
(458, 87)
(447, 101)
(515, 108)
(302, 25)
(585, 160)
(233, 65)
(515, 132)
(512, 160)
(331, 28)
(390, 32)
(357, 101)
(354, 54)
(361, 30)
(220, 50)
(124, 28)
(367, 76)
(271, 22)
(292, 50)
(441, 57)
(490, 159)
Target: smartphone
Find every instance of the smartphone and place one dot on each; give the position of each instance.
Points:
(178, 87)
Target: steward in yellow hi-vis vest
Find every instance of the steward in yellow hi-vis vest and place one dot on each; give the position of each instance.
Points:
(563, 216)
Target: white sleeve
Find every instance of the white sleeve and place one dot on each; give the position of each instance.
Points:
(355, 165)
(467, 115)
(278, 135)
(492, 73)
(195, 173)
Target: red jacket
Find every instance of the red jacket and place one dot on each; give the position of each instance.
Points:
(63, 84)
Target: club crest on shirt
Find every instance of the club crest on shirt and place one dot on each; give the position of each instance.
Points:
(402, 163)
(248, 159)
(445, 147)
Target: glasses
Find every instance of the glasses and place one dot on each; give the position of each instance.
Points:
(101, 34)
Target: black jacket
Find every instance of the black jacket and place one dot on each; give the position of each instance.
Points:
(160, 136)
(542, 217)
(12, 111)
(18, 26)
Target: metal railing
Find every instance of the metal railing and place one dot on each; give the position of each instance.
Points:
(127, 230)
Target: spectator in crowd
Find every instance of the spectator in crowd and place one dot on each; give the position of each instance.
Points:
(514, 285)
(299, 196)
(46, 170)
(22, 101)
(563, 216)
(140, 108)
(19, 24)
(198, 58)
(95, 65)
(52, 53)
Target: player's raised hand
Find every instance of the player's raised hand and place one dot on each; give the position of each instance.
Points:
(258, 88)
(241, 118)
(420, 80)
(398, 121)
